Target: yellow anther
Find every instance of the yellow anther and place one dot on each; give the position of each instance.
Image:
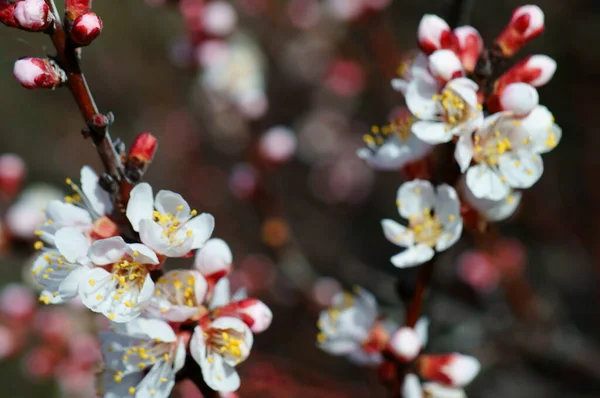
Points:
(92, 282)
(38, 245)
(131, 390)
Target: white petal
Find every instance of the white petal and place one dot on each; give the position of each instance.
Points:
(151, 234)
(390, 156)
(411, 387)
(142, 254)
(400, 85)
(419, 97)
(108, 251)
(422, 329)
(72, 244)
(463, 153)
(494, 210)
(486, 183)
(202, 228)
(413, 256)
(462, 369)
(519, 98)
(221, 294)
(413, 197)
(432, 132)
(69, 287)
(445, 64)
(140, 205)
(67, 215)
(95, 194)
(521, 169)
(397, 234)
(540, 127)
(447, 209)
(168, 202)
(405, 344)
(214, 258)
(150, 329)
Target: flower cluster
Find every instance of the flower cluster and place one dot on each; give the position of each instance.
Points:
(353, 327)
(491, 120)
(156, 320)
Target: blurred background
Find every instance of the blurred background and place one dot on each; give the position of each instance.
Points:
(295, 84)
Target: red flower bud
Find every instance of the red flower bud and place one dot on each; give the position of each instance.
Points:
(527, 23)
(451, 369)
(144, 148)
(86, 28)
(76, 8)
(470, 45)
(7, 13)
(434, 34)
(38, 73)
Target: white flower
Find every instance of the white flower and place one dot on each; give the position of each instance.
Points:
(60, 270)
(179, 296)
(391, 147)
(434, 222)
(27, 213)
(453, 370)
(141, 360)
(444, 112)
(346, 326)
(409, 71)
(218, 347)
(214, 260)
(120, 287)
(405, 344)
(506, 152)
(166, 224)
(85, 209)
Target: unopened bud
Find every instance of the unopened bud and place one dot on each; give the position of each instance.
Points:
(38, 73)
(520, 98)
(76, 8)
(527, 23)
(405, 344)
(86, 28)
(454, 370)
(143, 148)
(445, 65)
(536, 70)
(469, 46)
(7, 13)
(433, 34)
(12, 173)
(33, 15)
(214, 260)
(255, 314)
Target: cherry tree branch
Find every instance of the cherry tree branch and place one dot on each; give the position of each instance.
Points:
(97, 124)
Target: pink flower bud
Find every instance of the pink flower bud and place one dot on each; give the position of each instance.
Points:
(536, 70)
(143, 148)
(433, 34)
(405, 344)
(38, 73)
(86, 28)
(520, 98)
(445, 65)
(255, 314)
(33, 15)
(278, 144)
(469, 46)
(12, 173)
(219, 18)
(527, 23)
(454, 370)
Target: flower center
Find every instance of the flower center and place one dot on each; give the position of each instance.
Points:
(128, 274)
(426, 227)
(378, 136)
(487, 150)
(178, 290)
(227, 343)
(172, 223)
(451, 107)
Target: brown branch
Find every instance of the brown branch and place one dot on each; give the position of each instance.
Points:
(416, 304)
(97, 124)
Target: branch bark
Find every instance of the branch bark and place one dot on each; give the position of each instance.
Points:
(97, 124)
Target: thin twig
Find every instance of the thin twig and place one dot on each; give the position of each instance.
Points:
(97, 124)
